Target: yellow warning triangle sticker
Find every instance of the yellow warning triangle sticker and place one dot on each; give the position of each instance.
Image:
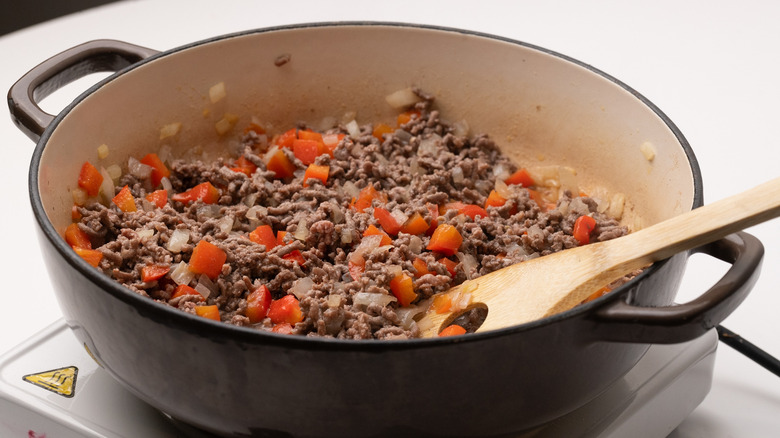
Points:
(61, 381)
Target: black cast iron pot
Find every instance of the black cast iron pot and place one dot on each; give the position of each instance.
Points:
(231, 381)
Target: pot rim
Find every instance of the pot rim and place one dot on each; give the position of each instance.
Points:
(216, 329)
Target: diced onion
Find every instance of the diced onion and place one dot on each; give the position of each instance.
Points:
(333, 301)
(394, 270)
(146, 205)
(208, 211)
(165, 153)
(346, 235)
(138, 169)
(402, 98)
(169, 130)
(166, 184)
(351, 189)
(182, 274)
(115, 172)
(469, 264)
(500, 172)
(226, 123)
(301, 287)
(178, 239)
(225, 224)
(145, 234)
(457, 175)
(79, 196)
(403, 136)
(256, 212)
(202, 290)
(648, 150)
(107, 188)
(205, 286)
(399, 216)
(415, 244)
(414, 167)
(250, 199)
(428, 146)
(302, 232)
(217, 92)
(367, 298)
(327, 122)
(460, 128)
(367, 244)
(102, 151)
(502, 189)
(335, 213)
(616, 205)
(353, 129)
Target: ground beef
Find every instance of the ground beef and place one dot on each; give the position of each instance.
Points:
(422, 163)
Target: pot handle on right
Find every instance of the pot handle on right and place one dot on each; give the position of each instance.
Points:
(622, 322)
(61, 69)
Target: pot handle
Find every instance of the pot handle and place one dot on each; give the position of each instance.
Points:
(62, 69)
(622, 322)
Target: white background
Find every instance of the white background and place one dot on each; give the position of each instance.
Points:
(712, 66)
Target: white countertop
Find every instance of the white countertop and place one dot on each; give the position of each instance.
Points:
(712, 66)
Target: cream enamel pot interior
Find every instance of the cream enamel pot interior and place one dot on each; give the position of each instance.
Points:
(540, 106)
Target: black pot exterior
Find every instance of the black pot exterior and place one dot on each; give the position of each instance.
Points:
(233, 381)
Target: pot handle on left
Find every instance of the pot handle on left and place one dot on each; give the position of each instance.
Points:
(62, 69)
(622, 322)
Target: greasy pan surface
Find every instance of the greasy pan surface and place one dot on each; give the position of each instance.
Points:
(540, 106)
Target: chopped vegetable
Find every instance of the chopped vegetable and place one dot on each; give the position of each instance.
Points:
(402, 288)
(442, 303)
(416, 224)
(76, 237)
(264, 235)
(445, 239)
(203, 191)
(366, 198)
(356, 267)
(254, 127)
(521, 177)
(209, 312)
(244, 166)
(183, 289)
(158, 197)
(280, 164)
(306, 150)
(420, 267)
(471, 210)
(90, 179)
(494, 200)
(208, 259)
(286, 139)
(295, 256)
(374, 231)
(380, 130)
(124, 200)
(449, 264)
(452, 330)
(387, 221)
(154, 272)
(159, 169)
(317, 172)
(92, 256)
(283, 328)
(406, 117)
(583, 226)
(286, 309)
(257, 304)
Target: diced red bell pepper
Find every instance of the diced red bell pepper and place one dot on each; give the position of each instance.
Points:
(381, 129)
(255, 128)
(402, 288)
(154, 272)
(280, 165)
(203, 191)
(208, 259)
(286, 309)
(92, 256)
(283, 328)
(264, 235)
(209, 312)
(416, 224)
(445, 239)
(442, 303)
(374, 231)
(158, 197)
(331, 142)
(280, 237)
(317, 172)
(494, 200)
(452, 330)
(159, 169)
(286, 139)
(583, 226)
(308, 134)
(387, 221)
(420, 267)
(76, 237)
(90, 179)
(433, 209)
(124, 200)
(306, 150)
(295, 256)
(244, 166)
(366, 198)
(449, 264)
(183, 289)
(406, 117)
(521, 177)
(257, 304)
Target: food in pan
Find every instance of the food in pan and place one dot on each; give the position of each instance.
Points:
(347, 231)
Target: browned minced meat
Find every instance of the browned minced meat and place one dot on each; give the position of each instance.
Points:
(412, 177)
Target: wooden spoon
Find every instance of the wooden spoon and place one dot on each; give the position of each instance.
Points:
(557, 282)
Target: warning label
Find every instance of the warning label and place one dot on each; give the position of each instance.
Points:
(61, 381)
